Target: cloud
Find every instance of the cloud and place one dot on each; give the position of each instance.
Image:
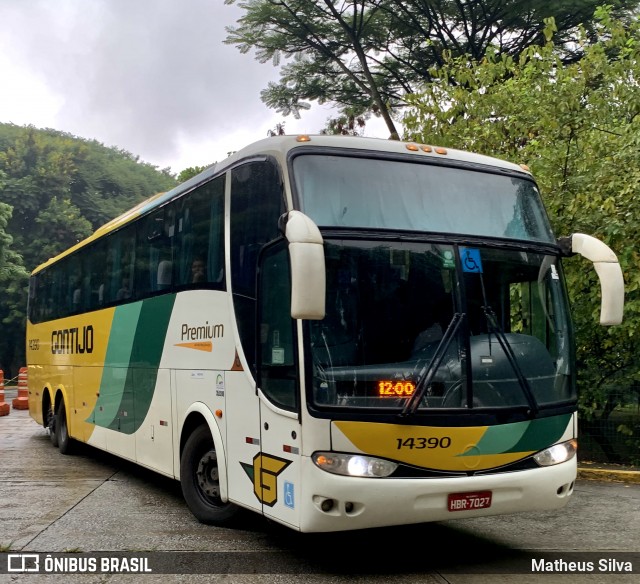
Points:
(150, 76)
(144, 74)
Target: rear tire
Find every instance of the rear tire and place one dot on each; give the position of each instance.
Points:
(50, 424)
(65, 442)
(199, 479)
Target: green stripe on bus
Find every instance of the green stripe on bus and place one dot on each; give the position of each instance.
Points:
(126, 394)
(528, 436)
(499, 439)
(542, 433)
(117, 359)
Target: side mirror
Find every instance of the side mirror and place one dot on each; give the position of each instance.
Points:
(308, 277)
(609, 273)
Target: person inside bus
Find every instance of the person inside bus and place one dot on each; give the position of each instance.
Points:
(198, 270)
(125, 290)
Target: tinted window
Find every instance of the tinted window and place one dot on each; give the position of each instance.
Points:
(256, 205)
(180, 245)
(277, 331)
(360, 192)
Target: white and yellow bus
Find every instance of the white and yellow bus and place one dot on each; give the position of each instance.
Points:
(336, 332)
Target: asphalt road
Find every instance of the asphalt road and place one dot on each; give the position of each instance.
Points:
(94, 505)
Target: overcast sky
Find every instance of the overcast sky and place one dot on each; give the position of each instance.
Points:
(150, 76)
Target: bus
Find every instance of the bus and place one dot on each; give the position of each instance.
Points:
(335, 332)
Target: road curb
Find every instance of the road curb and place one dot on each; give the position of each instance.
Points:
(605, 474)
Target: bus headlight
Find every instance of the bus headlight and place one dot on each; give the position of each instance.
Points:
(353, 465)
(557, 453)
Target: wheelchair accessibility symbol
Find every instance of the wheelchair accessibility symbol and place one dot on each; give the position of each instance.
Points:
(289, 499)
(470, 258)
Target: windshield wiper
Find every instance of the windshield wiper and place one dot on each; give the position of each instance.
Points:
(492, 321)
(429, 370)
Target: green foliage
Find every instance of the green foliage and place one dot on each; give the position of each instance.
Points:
(331, 44)
(63, 225)
(93, 182)
(347, 124)
(190, 172)
(278, 130)
(577, 127)
(13, 282)
(367, 55)
(55, 189)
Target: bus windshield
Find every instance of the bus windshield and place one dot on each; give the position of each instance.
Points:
(503, 315)
(341, 191)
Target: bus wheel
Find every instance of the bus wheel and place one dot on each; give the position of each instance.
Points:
(62, 430)
(51, 426)
(200, 481)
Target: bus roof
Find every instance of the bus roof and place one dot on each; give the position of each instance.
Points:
(280, 146)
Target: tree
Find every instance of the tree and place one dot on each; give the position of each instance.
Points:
(55, 189)
(190, 172)
(59, 226)
(13, 281)
(347, 124)
(577, 126)
(277, 130)
(366, 56)
(87, 184)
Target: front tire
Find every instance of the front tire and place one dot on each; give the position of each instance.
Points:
(199, 479)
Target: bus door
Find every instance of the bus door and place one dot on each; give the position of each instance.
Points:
(278, 382)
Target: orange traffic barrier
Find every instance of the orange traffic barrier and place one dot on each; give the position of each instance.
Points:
(22, 401)
(4, 406)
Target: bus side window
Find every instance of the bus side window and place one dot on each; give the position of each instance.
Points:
(256, 205)
(74, 279)
(120, 255)
(95, 261)
(150, 251)
(277, 374)
(200, 230)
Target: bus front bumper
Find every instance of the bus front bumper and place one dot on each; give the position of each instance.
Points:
(337, 503)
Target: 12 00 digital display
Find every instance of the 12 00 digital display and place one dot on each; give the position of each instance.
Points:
(394, 388)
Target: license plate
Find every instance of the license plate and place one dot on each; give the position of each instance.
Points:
(469, 501)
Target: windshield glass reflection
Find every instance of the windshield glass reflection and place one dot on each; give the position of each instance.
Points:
(390, 305)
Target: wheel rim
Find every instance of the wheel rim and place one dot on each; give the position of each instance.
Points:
(208, 478)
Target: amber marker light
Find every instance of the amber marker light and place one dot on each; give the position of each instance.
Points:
(322, 460)
(525, 167)
(218, 413)
(427, 149)
(412, 147)
(303, 138)
(441, 151)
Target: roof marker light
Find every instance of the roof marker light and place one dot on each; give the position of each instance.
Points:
(427, 149)
(412, 147)
(303, 138)
(441, 150)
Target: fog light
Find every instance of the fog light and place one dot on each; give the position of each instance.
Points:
(327, 505)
